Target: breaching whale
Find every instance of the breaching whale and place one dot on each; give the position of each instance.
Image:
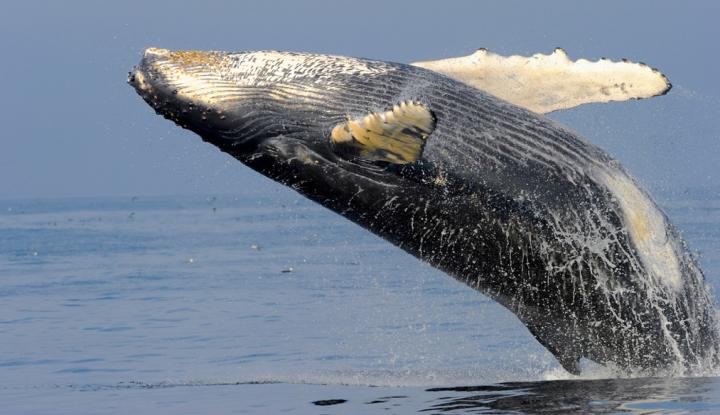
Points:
(453, 162)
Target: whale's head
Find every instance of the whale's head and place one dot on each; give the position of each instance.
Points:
(231, 99)
(268, 109)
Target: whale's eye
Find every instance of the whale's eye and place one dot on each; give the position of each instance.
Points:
(396, 136)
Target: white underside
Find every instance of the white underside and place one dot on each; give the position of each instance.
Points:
(647, 227)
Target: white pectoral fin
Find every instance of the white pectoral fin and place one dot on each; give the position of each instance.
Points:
(545, 83)
(396, 136)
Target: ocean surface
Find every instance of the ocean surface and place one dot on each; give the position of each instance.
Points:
(266, 303)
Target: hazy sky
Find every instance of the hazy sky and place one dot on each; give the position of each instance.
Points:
(70, 126)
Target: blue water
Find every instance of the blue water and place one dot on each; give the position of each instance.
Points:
(267, 303)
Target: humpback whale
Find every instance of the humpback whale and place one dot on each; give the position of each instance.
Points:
(454, 162)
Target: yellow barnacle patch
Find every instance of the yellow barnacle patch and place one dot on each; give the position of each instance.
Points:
(195, 58)
(396, 136)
